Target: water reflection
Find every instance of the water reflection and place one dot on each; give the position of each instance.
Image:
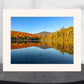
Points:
(41, 52)
(62, 46)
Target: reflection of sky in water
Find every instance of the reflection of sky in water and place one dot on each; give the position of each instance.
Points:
(36, 55)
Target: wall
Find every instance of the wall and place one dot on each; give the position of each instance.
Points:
(41, 4)
(0, 31)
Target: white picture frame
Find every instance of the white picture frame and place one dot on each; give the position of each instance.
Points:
(8, 13)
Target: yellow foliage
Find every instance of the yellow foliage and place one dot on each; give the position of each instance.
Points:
(61, 35)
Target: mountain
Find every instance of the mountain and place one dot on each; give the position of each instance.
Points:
(43, 33)
(43, 46)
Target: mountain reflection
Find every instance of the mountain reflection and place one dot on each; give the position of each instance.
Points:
(62, 46)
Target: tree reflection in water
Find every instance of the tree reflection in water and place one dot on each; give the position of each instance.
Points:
(63, 46)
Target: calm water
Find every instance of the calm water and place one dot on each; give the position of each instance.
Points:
(48, 52)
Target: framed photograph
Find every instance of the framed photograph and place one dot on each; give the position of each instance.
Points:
(42, 40)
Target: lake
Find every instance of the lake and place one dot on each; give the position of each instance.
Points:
(41, 52)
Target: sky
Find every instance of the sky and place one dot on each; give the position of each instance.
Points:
(39, 24)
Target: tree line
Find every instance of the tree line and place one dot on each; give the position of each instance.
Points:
(64, 34)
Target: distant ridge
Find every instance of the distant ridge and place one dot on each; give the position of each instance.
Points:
(43, 46)
(43, 33)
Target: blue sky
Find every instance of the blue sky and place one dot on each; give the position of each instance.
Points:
(38, 24)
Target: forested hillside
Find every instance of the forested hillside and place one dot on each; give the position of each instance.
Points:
(65, 34)
(61, 35)
(15, 35)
